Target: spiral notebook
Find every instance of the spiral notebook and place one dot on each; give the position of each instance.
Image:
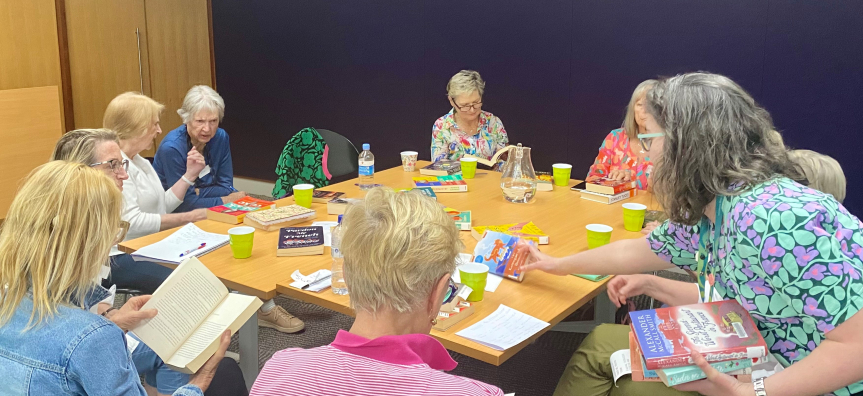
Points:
(188, 241)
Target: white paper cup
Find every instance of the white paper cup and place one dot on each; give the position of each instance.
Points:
(409, 160)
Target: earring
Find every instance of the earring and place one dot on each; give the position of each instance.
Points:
(434, 321)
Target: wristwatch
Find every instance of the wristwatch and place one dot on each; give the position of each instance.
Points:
(759, 387)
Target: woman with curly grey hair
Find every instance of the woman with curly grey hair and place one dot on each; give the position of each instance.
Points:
(791, 255)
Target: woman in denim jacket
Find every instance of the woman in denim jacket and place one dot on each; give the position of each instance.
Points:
(53, 243)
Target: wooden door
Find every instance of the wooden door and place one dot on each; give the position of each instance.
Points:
(178, 39)
(107, 55)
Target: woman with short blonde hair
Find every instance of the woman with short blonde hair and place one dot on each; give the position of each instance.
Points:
(822, 172)
(49, 259)
(400, 249)
(467, 129)
(620, 156)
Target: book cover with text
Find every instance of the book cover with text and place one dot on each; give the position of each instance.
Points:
(498, 251)
(720, 330)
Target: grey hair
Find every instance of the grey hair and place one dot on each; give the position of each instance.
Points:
(201, 97)
(629, 126)
(80, 145)
(465, 81)
(822, 172)
(716, 138)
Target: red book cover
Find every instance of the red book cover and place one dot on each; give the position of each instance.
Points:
(721, 330)
(609, 187)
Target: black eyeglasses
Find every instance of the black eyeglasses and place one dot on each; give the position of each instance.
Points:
(452, 288)
(114, 165)
(471, 107)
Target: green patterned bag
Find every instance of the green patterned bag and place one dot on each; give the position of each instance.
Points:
(303, 160)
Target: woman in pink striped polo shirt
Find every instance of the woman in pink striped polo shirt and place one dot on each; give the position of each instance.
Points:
(400, 250)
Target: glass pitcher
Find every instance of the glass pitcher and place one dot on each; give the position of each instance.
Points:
(518, 181)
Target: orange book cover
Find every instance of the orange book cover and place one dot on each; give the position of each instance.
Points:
(609, 187)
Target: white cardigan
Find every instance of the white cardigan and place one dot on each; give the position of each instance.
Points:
(144, 199)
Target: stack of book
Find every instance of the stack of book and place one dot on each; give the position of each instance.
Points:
(608, 191)
(234, 212)
(722, 331)
(441, 184)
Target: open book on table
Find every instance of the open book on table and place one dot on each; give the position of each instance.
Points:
(195, 308)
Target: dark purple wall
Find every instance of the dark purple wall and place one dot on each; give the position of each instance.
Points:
(559, 72)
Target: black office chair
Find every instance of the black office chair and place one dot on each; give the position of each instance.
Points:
(342, 157)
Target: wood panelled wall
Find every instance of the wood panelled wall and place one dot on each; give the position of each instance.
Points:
(29, 47)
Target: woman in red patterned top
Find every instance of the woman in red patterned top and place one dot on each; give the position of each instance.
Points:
(620, 156)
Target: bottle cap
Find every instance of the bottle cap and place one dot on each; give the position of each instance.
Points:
(365, 146)
(340, 219)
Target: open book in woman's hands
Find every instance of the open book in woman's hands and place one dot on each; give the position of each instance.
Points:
(194, 309)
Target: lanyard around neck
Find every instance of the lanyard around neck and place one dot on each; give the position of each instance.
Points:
(703, 256)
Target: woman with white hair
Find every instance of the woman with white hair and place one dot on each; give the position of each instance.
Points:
(400, 249)
(202, 111)
(466, 129)
(620, 156)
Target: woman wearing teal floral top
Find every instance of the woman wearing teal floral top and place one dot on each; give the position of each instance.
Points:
(466, 129)
(789, 254)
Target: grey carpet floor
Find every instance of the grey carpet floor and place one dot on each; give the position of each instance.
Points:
(533, 371)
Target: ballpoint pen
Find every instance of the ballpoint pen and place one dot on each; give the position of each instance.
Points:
(316, 282)
(192, 250)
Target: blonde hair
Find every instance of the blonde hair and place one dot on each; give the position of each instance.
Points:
(822, 172)
(80, 145)
(130, 114)
(465, 81)
(201, 97)
(629, 126)
(57, 235)
(396, 247)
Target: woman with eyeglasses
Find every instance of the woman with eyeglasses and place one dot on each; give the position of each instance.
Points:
(50, 261)
(400, 249)
(467, 129)
(789, 254)
(621, 157)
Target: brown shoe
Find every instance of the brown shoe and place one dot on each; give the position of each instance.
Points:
(280, 320)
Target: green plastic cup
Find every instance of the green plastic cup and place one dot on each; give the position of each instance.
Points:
(633, 216)
(561, 174)
(475, 276)
(303, 195)
(241, 241)
(598, 235)
(468, 167)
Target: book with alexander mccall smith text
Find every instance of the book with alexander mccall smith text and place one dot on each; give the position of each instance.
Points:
(720, 330)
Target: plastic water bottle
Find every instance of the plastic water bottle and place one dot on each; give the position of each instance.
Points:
(338, 277)
(367, 168)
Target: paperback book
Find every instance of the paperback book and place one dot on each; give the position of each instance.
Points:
(721, 330)
(273, 219)
(502, 254)
(681, 375)
(544, 181)
(461, 218)
(234, 212)
(609, 187)
(441, 168)
(525, 230)
(442, 184)
(608, 199)
(494, 158)
(337, 206)
(301, 241)
(322, 196)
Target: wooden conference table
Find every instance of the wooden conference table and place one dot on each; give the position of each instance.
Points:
(561, 214)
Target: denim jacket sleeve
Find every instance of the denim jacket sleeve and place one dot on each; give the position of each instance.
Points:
(99, 364)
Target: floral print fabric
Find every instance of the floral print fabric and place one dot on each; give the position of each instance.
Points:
(449, 142)
(790, 255)
(617, 152)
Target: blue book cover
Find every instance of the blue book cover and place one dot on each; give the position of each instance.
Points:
(498, 251)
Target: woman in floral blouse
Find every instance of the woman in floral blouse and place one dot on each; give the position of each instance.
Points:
(620, 156)
(789, 254)
(466, 129)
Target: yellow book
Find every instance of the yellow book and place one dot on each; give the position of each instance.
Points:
(525, 230)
